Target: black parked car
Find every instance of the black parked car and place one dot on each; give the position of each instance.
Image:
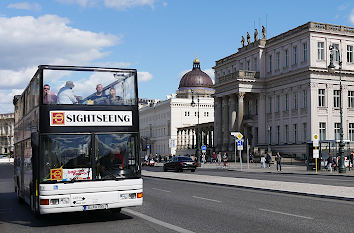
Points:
(180, 163)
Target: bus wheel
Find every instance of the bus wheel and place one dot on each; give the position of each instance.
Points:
(34, 206)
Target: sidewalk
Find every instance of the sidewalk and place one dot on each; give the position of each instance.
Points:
(286, 169)
(317, 190)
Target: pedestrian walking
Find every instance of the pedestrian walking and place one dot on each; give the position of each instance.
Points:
(224, 158)
(251, 157)
(268, 159)
(278, 159)
(263, 161)
(214, 157)
(219, 158)
(329, 163)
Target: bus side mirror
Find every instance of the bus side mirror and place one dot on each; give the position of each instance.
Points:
(34, 140)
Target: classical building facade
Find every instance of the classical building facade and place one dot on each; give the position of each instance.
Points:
(6, 133)
(159, 121)
(278, 91)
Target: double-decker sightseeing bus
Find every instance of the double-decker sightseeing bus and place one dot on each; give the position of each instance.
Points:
(77, 140)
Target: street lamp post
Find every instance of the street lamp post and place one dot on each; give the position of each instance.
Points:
(197, 132)
(331, 69)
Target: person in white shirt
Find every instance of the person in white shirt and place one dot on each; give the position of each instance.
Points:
(66, 94)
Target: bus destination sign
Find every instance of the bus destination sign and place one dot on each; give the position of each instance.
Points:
(90, 118)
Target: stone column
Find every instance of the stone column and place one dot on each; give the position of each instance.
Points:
(262, 137)
(218, 123)
(225, 123)
(241, 95)
(233, 120)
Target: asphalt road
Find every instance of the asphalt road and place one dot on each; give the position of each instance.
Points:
(182, 206)
(301, 178)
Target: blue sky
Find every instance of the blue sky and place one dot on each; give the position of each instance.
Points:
(160, 38)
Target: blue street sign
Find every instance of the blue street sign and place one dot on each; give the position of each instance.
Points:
(148, 146)
(240, 143)
(203, 148)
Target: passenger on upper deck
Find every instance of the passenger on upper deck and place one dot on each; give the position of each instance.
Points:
(66, 94)
(99, 97)
(113, 99)
(48, 96)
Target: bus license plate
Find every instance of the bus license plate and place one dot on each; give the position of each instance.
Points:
(95, 207)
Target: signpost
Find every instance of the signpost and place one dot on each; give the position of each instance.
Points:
(315, 144)
(204, 148)
(238, 145)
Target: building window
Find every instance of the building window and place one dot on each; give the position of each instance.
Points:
(305, 132)
(320, 50)
(286, 58)
(351, 99)
(295, 54)
(278, 103)
(304, 49)
(321, 98)
(336, 131)
(270, 63)
(336, 52)
(304, 101)
(278, 61)
(349, 53)
(270, 135)
(286, 102)
(269, 104)
(295, 100)
(248, 65)
(322, 131)
(278, 134)
(295, 133)
(256, 106)
(255, 64)
(286, 134)
(336, 98)
(195, 113)
(351, 131)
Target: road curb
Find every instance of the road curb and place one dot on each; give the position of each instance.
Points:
(259, 189)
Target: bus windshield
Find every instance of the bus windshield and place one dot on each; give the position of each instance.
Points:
(75, 158)
(89, 87)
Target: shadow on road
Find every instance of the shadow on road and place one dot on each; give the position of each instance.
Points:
(13, 212)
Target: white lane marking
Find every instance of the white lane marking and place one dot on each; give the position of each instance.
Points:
(294, 215)
(161, 190)
(207, 199)
(156, 221)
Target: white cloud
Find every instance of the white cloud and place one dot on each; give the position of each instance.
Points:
(343, 7)
(116, 4)
(144, 76)
(26, 42)
(351, 17)
(124, 4)
(164, 4)
(6, 98)
(25, 6)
